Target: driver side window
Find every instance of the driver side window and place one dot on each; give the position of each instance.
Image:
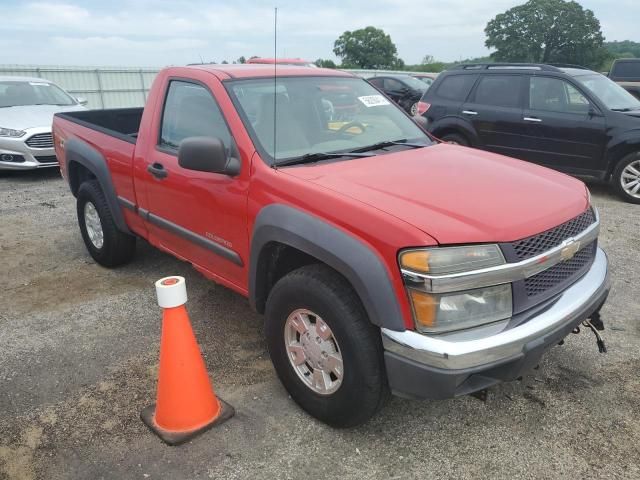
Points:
(190, 111)
(556, 95)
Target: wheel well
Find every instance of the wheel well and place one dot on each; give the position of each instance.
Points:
(275, 261)
(78, 174)
(449, 130)
(619, 157)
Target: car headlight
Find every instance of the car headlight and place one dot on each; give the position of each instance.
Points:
(8, 132)
(444, 312)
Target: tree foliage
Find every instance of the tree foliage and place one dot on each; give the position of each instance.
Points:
(624, 49)
(367, 48)
(325, 63)
(547, 31)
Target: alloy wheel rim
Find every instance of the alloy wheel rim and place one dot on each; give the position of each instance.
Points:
(93, 224)
(313, 352)
(414, 109)
(630, 179)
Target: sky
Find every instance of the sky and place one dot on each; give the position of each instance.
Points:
(176, 32)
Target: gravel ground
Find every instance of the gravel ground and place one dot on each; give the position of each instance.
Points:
(78, 361)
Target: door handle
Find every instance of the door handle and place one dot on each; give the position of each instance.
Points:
(469, 112)
(532, 119)
(157, 170)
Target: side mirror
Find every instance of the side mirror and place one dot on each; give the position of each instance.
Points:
(207, 154)
(82, 101)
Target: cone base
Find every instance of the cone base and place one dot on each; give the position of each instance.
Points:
(171, 437)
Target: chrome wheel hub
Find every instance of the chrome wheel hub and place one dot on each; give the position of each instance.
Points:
(93, 224)
(630, 179)
(313, 352)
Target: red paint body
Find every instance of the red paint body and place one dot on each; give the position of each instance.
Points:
(443, 194)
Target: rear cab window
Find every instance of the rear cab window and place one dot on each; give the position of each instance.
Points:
(626, 71)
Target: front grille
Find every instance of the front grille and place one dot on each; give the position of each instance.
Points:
(40, 140)
(47, 159)
(540, 243)
(561, 273)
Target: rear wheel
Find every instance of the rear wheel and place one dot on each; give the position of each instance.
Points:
(455, 139)
(324, 349)
(413, 111)
(106, 244)
(626, 178)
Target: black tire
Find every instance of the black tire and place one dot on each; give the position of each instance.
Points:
(364, 388)
(616, 178)
(118, 247)
(456, 139)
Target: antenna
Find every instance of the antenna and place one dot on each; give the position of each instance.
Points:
(275, 73)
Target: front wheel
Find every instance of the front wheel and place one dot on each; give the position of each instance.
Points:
(626, 178)
(455, 139)
(106, 244)
(324, 349)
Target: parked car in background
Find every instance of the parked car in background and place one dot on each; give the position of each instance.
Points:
(383, 261)
(626, 73)
(27, 106)
(426, 78)
(405, 90)
(570, 119)
(299, 62)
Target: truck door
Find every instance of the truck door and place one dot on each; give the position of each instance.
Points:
(197, 216)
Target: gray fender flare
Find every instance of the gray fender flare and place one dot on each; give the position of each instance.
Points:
(330, 245)
(84, 154)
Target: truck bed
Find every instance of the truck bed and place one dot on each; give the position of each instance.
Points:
(122, 123)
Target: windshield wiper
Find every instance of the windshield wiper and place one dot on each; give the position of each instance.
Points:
(316, 157)
(625, 109)
(389, 143)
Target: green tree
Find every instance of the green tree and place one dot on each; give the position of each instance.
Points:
(368, 48)
(547, 31)
(242, 60)
(325, 63)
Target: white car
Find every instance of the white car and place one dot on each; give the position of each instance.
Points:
(27, 106)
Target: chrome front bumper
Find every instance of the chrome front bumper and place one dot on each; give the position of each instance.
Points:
(468, 352)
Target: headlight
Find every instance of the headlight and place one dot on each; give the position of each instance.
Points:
(444, 312)
(8, 132)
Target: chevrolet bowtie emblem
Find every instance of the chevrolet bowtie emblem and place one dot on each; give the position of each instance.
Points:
(571, 247)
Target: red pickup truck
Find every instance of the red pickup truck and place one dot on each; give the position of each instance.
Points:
(383, 260)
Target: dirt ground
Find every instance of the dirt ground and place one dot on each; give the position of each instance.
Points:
(79, 352)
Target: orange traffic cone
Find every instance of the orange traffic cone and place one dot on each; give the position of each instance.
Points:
(186, 404)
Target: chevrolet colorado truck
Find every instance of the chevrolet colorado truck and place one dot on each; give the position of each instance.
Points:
(383, 260)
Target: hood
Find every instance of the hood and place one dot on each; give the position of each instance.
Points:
(456, 194)
(632, 113)
(32, 116)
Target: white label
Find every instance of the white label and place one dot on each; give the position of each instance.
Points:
(374, 100)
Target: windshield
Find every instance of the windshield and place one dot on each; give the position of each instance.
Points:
(319, 114)
(610, 93)
(415, 83)
(20, 93)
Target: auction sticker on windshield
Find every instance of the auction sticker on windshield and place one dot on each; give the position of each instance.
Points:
(374, 100)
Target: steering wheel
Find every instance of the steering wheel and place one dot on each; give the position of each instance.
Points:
(344, 129)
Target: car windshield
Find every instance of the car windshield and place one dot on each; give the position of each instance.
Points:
(610, 93)
(415, 83)
(21, 93)
(319, 115)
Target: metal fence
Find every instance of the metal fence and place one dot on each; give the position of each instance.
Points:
(111, 87)
(103, 87)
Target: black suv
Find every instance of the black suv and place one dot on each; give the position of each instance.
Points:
(402, 89)
(567, 118)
